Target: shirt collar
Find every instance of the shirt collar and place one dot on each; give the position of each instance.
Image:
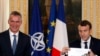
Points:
(11, 33)
(87, 40)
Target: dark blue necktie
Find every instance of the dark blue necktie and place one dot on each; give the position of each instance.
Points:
(14, 44)
(85, 45)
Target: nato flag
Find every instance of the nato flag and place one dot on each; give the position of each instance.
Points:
(36, 31)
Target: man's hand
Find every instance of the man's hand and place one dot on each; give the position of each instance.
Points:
(64, 50)
(91, 53)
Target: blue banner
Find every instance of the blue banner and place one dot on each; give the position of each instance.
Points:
(36, 31)
(51, 27)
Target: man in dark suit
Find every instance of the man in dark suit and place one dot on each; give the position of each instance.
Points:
(86, 40)
(12, 41)
(94, 45)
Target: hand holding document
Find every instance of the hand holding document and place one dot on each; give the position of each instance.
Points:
(78, 52)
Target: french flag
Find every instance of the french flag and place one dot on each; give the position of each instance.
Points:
(60, 35)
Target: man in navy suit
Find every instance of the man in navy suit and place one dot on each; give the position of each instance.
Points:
(12, 41)
(86, 40)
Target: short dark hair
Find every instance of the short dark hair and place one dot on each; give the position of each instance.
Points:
(15, 13)
(85, 22)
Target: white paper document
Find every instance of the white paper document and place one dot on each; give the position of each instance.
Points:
(78, 52)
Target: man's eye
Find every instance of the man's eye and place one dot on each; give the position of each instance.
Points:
(11, 21)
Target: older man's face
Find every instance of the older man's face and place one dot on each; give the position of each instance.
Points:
(14, 23)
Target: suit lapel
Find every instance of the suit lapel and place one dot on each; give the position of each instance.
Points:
(20, 43)
(7, 40)
(79, 44)
(91, 42)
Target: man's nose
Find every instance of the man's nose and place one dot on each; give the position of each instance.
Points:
(82, 33)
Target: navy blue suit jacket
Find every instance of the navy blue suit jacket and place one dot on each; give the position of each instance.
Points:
(23, 45)
(94, 45)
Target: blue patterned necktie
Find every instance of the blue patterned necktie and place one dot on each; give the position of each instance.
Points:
(85, 45)
(14, 44)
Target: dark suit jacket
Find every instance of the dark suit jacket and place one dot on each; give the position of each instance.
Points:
(94, 45)
(23, 45)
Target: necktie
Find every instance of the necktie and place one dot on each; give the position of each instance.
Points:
(14, 44)
(85, 45)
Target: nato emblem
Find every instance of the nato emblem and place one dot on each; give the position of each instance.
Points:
(37, 42)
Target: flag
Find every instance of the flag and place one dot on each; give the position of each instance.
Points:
(51, 28)
(60, 35)
(36, 31)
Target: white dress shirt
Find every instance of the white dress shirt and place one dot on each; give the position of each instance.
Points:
(88, 43)
(12, 37)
